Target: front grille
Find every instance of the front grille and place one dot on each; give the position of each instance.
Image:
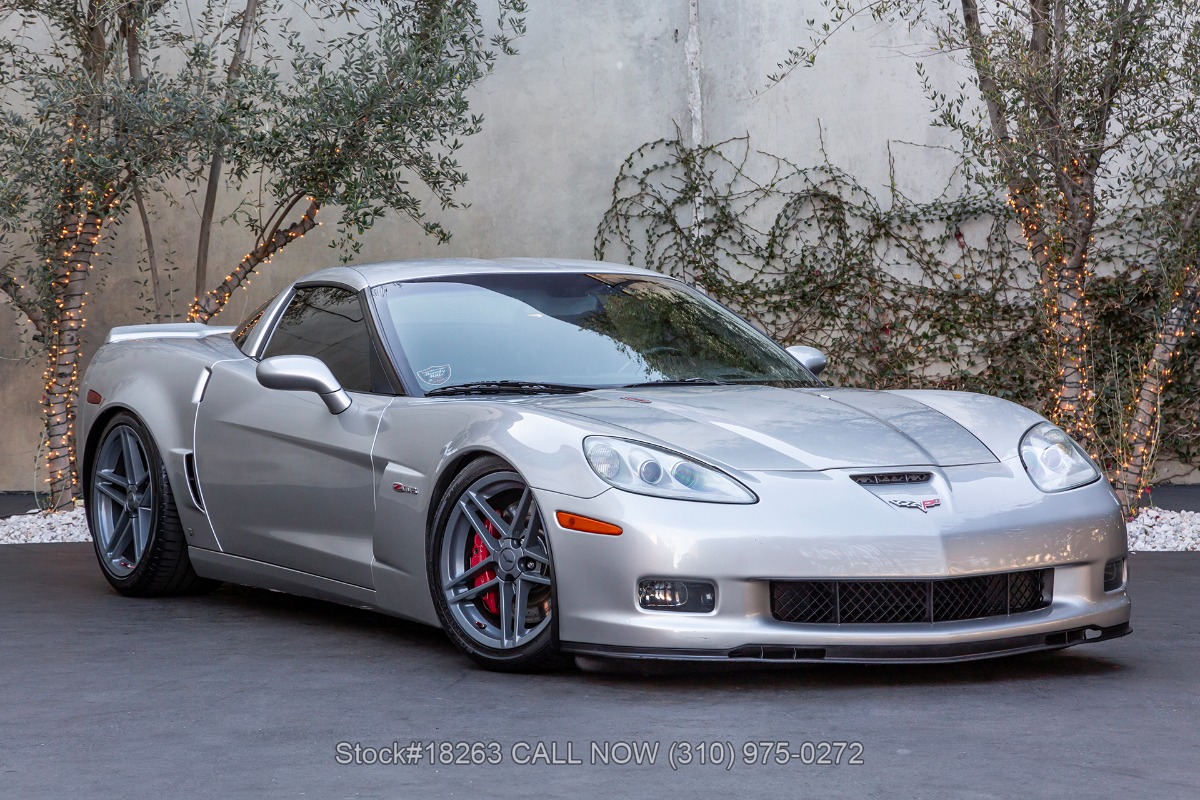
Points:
(894, 601)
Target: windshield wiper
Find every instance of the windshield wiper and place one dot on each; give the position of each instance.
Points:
(507, 387)
(678, 382)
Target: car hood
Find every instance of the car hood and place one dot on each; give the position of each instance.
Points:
(765, 428)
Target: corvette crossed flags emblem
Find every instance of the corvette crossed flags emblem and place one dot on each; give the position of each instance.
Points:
(920, 505)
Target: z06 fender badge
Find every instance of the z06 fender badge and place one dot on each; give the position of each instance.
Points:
(920, 505)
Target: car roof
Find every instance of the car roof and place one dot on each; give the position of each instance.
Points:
(362, 276)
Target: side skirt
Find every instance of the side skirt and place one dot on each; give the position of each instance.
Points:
(248, 572)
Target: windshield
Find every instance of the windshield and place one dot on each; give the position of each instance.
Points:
(588, 330)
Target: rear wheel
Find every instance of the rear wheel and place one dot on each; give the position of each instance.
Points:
(491, 572)
(135, 527)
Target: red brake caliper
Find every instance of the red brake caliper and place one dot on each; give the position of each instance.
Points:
(479, 554)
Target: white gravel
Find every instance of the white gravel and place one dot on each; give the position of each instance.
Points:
(1157, 529)
(1154, 529)
(36, 527)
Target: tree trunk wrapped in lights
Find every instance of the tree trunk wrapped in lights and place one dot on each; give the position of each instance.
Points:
(71, 275)
(69, 262)
(206, 307)
(1142, 433)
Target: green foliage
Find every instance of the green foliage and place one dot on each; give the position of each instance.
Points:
(370, 113)
(74, 125)
(900, 296)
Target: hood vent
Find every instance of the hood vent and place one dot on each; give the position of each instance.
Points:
(892, 478)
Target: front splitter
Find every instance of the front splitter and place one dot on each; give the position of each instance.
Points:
(864, 654)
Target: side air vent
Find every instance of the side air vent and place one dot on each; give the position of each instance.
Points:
(189, 469)
(891, 478)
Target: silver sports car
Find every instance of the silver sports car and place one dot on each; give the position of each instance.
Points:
(556, 458)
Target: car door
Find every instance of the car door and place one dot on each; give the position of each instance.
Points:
(284, 480)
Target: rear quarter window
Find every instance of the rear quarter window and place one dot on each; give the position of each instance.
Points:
(242, 332)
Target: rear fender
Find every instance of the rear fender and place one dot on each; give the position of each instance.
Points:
(161, 383)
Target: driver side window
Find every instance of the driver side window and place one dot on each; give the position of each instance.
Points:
(327, 323)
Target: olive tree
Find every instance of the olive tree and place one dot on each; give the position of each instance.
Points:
(1084, 115)
(109, 103)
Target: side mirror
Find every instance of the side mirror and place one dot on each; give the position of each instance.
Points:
(303, 374)
(810, 357)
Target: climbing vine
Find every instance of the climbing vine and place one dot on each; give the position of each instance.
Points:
(901, 293)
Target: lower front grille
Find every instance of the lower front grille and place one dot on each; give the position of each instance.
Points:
(899, 601)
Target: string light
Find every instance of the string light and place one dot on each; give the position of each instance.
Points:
(1142, 432)
(84, 216)
(212, 302)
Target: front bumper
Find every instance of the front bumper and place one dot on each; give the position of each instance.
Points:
(824, 526)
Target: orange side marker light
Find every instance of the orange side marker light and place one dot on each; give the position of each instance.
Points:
(576, 522)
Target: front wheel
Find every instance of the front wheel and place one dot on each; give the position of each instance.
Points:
(491, 572)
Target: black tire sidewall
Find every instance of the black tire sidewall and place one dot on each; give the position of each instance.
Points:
(536, 655)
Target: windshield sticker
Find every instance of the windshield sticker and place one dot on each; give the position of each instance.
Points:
(435, 376)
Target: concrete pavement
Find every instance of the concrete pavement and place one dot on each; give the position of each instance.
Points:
(247, 693)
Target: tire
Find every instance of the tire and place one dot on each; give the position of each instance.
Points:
(136, 532)
(491, 572)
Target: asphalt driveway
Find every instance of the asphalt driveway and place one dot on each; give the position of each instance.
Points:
(247, 693)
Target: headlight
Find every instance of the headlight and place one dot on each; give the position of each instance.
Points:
(1054, 462)
(644, 469)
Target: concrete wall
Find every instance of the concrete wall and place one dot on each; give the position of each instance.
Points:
(595, 79)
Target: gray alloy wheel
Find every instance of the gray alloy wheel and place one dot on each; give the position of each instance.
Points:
(123, 501)
(135, 527)
(491, 572)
